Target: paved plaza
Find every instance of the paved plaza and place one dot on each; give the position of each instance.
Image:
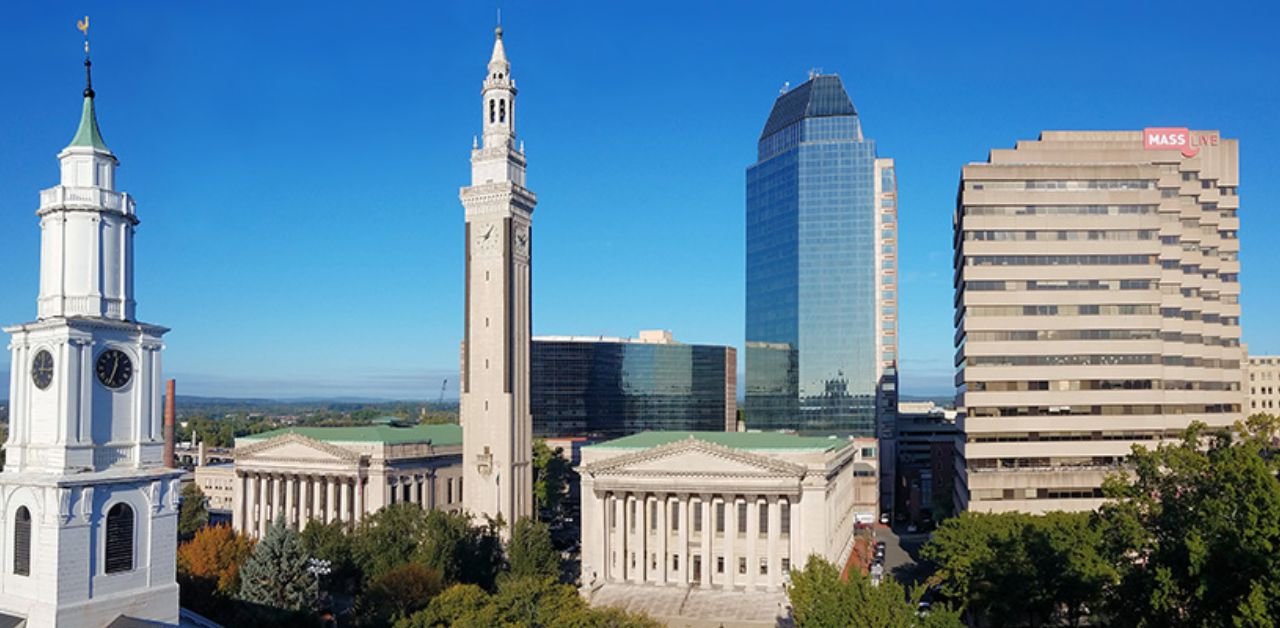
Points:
(693, 607)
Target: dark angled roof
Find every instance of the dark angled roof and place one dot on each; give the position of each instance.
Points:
(12, 621)
(820, 96)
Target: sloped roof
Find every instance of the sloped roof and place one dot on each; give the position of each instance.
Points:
(439, 435)
(88, 133)
(733, 440)
(818, 97)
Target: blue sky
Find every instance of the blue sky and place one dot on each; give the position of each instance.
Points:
(297, 167)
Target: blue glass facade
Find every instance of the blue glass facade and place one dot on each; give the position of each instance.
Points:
(813, 235)
(613, 388)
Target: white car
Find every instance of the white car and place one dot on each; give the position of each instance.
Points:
(884, 518)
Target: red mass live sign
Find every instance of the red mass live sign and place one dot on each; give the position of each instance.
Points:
(1176, 138)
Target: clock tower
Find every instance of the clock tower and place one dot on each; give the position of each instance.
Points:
(497, 428)
(88, 513)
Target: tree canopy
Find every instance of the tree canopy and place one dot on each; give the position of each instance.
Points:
(820, 599)
(192, 513)
(531, 552)
(1188, 536)
(276, 575)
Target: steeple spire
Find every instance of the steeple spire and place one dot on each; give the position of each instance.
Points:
(88, 134)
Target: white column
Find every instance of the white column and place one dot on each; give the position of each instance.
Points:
(344, 509)
(360, 495)
(753, 535)
(237, 502)
(610, 509)
(623, 531)
(289, 485)
(277, 498)
(664, 531)
(317, 491)
(730, 540)
(330, 499)
(264, 497)
(707, 525)
(684, 517)
(645, 524)
(775, 535)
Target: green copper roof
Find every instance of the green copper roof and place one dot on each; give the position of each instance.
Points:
(88, 133)
(735, 440)
(439, 435)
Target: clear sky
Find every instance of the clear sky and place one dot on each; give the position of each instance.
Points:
(297, 167)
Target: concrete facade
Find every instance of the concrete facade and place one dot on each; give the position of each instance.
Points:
(1262, 385)
(1097, 307)
(88, 513)
(494, 408)
(328, 474)
(724, 511)
(217, 482)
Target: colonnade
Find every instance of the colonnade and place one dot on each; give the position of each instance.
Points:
(703, 539)
(414, 488)
(299, 497)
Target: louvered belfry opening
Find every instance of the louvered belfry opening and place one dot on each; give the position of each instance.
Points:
(119, 539)
(22, 542)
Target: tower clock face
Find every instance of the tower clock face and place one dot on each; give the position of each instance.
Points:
(114, 369)
(42, 369)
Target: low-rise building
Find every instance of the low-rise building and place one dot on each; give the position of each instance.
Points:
(721, 511)
(926, 436)
(343, 473)
(217, 482)
(1262, 384)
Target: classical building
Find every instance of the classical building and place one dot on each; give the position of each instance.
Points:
(330, 474)
(89, 524)
(1262, 385)
(496, 423)
(1097, 307)
(822, 278)
(607, 388)
(728, 511)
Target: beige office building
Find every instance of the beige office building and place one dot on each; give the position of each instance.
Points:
(1262, 381)
(1097, 306)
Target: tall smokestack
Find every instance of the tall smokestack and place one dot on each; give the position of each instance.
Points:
(170, 415)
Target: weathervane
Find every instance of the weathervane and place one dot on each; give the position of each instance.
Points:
(83, 25)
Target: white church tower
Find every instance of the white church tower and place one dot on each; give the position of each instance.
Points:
(496, 425)
(88, 531)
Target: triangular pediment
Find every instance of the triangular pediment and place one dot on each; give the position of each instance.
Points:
(694, 457)
(295, 447)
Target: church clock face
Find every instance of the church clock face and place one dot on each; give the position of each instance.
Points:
(487, 237)
(114, 369)
(42, 369)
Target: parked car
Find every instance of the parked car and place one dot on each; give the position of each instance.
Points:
(884, 518)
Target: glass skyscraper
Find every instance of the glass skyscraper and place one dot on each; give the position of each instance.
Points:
(821, 329)
(613, 387)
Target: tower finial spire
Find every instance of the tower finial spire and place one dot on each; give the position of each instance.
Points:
(498, 31)
(83, 25)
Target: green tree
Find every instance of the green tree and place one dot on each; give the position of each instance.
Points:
(551, 475)
(397, 594)
(331, 542)
(1013, 568)
(460, 606)
(276, 575)
(529, 602)
(820, 599)
(192, 513)
(530, 551)
(459, 551)
(1194, 530)
(389, 538)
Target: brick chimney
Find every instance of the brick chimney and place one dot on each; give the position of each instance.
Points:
(170, 415)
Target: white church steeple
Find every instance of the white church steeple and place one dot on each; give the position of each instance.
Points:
(89, 511)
